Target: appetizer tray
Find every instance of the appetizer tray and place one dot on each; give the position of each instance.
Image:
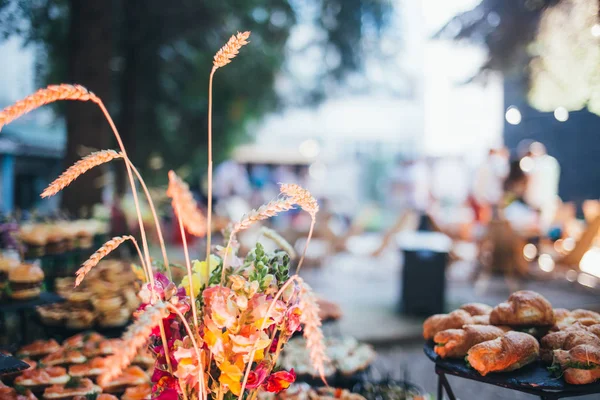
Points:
(534, 378)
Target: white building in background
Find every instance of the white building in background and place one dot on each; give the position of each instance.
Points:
(440, 118)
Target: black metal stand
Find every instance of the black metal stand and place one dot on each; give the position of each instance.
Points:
(533, 379)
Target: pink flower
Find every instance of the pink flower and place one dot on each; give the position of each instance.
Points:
(293, 319)
(257, 377)
(221, 307)
(167, 394)
(280, 381)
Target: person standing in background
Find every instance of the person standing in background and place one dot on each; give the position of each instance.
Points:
(488, 187)
(544, 177)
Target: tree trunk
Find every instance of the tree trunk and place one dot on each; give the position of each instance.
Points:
(90, 51)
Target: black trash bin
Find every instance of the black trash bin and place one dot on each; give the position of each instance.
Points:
(423, 280)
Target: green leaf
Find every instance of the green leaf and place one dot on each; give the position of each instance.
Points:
(74, 382)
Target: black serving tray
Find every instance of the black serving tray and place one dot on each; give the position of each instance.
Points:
(11, 365)
(533, 377)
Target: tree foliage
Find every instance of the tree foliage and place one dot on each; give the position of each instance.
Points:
(162, 55)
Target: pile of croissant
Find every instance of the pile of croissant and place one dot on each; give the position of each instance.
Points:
(518, 332)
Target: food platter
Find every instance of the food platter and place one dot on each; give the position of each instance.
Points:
(534, 378)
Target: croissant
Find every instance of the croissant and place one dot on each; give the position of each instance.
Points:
(476, 308)
(506, 353)
(455, 343)
(481, 320)
(581, 364)
(440, 322)
(523, 308)
(566, 340)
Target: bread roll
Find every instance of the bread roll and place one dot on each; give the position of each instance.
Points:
(440, 322)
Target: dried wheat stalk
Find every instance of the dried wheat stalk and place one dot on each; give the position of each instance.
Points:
(279, 241)
(134, 338)
(265, 211)
(44, 96)
(99, 255)
(231, 49)
(185, 206)
(79, 168)
(312, 328)
(302, 197)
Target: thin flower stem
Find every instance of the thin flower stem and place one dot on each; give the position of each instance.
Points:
(188, 266)
(155, 216)
(100, 104)
(262, 328)
(202, 391)
(139, 251)
(233, 232)
(163, 337)
(210, 168)
(310, 232)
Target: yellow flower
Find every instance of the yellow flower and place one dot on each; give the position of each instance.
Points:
(231, 376)
(200, 275)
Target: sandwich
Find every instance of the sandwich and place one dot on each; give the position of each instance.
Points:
(74, 387)
(102, 348)
(25, 281)
(38, 349)
(132, 376)
(140, 392)
(80, 319)
(524, 308)
(6, 264)
(18, 393)
(79, 340)
(440, 322)
(565, 340)
(455, 343)
(580, 365)
(38, 379)
(35, 237)
(64, 357)
(90, 369)
(509, 352)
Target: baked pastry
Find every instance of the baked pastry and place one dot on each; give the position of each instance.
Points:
(107, 303)
(73, 388)
(140, 392)
(132, 376)
(580, 365)
(455, 343)
(481, 320)
(440, 322)
(25, 281)
(114, 318)
(35, 237)
(9, 393)
(89, 369)
(523, 308)
(64, 357)
(38, 349)
(38, 379)
(52, 314)
(506, 353)
(477, 308)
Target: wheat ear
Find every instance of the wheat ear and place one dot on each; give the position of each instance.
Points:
(44, 96)
(308, 203)
(102, 252)
(134, 338)
(230, 49)
(79, 168)
(265, 211)
(279, 241)
(312, 329)
(186, 208)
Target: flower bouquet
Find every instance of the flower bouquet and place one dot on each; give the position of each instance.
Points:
(220, 332)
